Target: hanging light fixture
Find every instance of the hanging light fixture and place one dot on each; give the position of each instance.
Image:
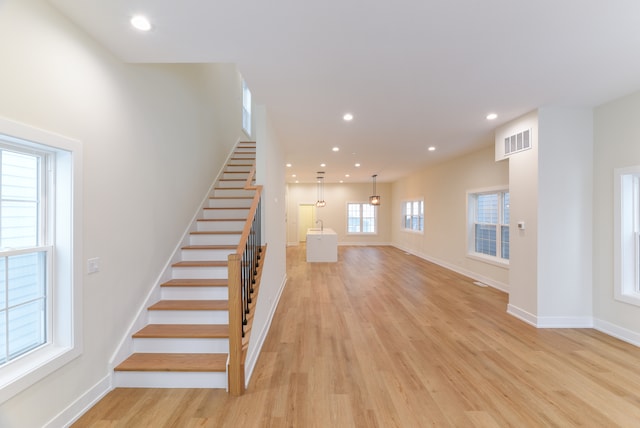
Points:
(374, 199)
(320, 202)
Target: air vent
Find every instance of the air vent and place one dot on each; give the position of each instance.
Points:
(517, 142)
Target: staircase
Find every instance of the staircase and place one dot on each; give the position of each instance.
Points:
(185, 343)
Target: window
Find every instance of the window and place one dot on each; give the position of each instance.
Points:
(413, 215)
(361, 218)
(488, 218)
(627, 235)
(246, 108)
(40, 223)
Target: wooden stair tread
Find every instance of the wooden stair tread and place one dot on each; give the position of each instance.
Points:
(231, 197)
(207, 263)
(183, 331)
(196, 283)
(190, 305)
(159, 362)
(219, 232)
(209, 247)
(222, 219)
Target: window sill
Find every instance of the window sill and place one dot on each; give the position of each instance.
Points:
(415, 232)
(489, 260)
(362, 233)
(20, 374)
(630, 298)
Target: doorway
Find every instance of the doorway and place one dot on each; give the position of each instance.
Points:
(306, 213)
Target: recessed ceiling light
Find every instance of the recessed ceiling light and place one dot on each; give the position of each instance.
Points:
(336, 149)
(346, 175)
(341, 181)
(357, 165)
(432, 149)
(492, 116)
(293, 175)
(348, 117)
(141, 23)
(289, 165)
(323, 165)
(297, 181)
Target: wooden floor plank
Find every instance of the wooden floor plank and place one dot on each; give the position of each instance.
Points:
(385, 339)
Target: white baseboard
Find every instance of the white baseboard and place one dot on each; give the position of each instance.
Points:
(622, 333)
(522, 315)
(473, 275)
(80, 406)
(549, 322)
(252, 356)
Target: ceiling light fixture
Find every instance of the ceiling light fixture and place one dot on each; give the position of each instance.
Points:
(357, 165)
(141, 23)
(320, 202)
(289, 165)
(323, 165)
(348, 117)
(492, 116)
(431, 149)
(336, 149)
(374, 199)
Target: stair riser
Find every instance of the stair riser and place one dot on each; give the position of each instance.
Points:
(191, 346)
(220, 226)
(194, 293)
(246, 163)
(189, 317)
(225, 213)
(214, 239)
(235, 175)
(249, 154)
(170, 379)
(230, 203)
(222, 192)
(234, 182)
(237, 168)
(205, 255)
(199, 272)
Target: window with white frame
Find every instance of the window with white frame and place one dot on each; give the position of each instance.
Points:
(39, 217)
(488, 220)
(627, 235)
(246, 108)
(361, 218)
(413, 215)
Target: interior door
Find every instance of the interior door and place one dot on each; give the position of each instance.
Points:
(305, 220)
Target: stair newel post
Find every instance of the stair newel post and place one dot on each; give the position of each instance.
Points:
(236, 365)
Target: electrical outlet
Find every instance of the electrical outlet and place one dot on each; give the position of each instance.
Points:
(93, 265)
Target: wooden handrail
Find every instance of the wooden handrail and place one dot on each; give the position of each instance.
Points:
(238, 308)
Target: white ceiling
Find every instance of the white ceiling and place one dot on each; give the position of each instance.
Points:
(415, 73)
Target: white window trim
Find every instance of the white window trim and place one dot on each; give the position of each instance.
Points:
(375, 214)
(66, 341)
(404, 203)
(247, 113)
(470, 208)
(626, 250)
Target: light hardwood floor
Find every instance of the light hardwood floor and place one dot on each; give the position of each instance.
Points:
(385, 339)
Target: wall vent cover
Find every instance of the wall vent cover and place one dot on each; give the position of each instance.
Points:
(517, 142)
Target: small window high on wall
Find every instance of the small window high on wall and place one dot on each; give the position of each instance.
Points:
(246, 108)
(626, 250)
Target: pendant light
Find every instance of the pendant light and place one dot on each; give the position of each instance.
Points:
(320, 202)
(374, 199)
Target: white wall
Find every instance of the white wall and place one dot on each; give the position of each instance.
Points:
(550, 184)
(153, 141)
(616, 145)
(270, 174)
(334, 214)
(565, 186)
(523, 193)
(444, 189)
